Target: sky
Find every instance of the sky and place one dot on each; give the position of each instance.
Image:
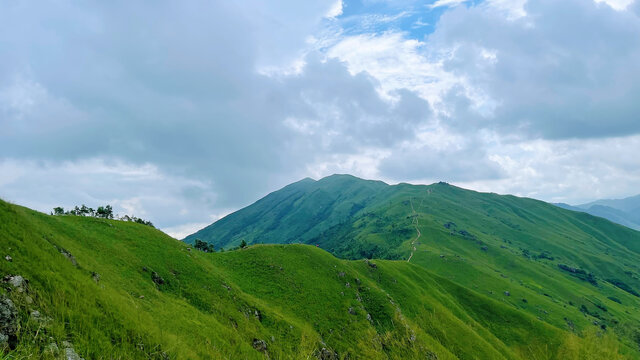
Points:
(182, 112)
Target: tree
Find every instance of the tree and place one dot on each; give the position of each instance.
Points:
(243, 244)
(203, 246)
(58, 210)
(105, 212)
(84, 210)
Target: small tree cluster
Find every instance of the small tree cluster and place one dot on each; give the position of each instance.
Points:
(203, 246)
(103, 212)
(136, 220)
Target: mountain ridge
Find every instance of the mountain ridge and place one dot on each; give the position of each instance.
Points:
(495, 244)
(103, 288)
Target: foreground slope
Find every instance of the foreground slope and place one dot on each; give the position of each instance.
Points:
(568, 269)
(121, 290)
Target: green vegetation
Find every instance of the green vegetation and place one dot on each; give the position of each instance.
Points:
(121, 290)
(103, 212)
(492, 244)
(203, 246)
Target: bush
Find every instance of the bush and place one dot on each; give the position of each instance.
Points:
(203, 246)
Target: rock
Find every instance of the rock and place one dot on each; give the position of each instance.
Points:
(8, 322)
(430, 355)
(341, 274)
(17, 281)
(326, 354)
(69, 256)
(351, 311)
(369, 317)
(157, 279)
(260, 345)
(257, 314)
(35, 314)
(8, 258)
(95, 276)
(506, 293)
(52, 348)
(141, 297)
(28, 299)
(69, 352)
(347, 285)
(372, 265)
(442, 256)
(484, 248)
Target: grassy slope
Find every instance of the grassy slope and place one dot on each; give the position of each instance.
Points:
(486, 250)
(207, 307)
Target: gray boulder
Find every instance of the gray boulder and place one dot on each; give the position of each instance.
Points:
(8, 322)
(260, 345)
(70, 352)
(69, 256)
(326, 354)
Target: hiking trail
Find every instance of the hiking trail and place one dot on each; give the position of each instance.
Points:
(415, 224)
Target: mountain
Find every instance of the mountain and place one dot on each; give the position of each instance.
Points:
(622, 211)
(555, 264)
(77, 286)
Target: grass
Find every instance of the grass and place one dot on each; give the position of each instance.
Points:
(493, 245)
(294, 297)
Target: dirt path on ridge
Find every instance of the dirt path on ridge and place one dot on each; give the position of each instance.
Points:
(415, 224)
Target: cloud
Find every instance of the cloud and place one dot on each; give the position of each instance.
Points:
(180, 91)
(335, 10)
(449, 3)
(141, 190)
(574, 170)
(567, 69)
(397, 62)
(196, 109)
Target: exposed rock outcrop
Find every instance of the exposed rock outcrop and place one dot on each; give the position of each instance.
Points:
(157, 279)
(260, 345)
(70, 352)
(326, 354)
(18, 283)
(8, 322)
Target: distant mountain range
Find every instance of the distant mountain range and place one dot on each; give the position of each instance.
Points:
(622, 211)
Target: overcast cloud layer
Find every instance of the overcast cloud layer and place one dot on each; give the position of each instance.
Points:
(182, 112)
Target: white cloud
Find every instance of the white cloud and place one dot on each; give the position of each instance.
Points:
(397, 62)
(512, 9)
(449, 3)
(573, 171)
(617, 4)
(335, 10)
(169, 118)
(140, 190)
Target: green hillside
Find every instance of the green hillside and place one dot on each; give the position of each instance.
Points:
(566, 268)
(118, 290)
